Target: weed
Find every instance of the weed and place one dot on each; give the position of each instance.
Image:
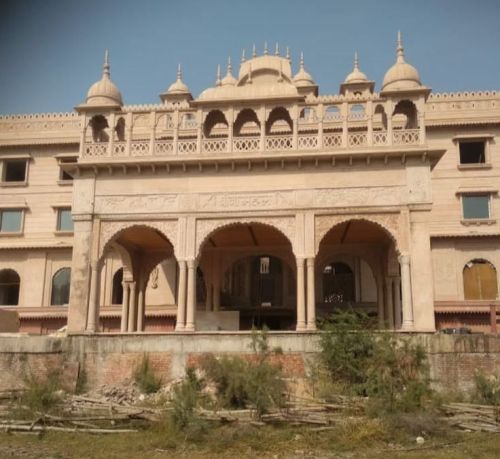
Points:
(487, 389)
(145, 378)
(41, 395)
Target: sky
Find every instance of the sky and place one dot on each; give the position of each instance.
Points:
(51, 51)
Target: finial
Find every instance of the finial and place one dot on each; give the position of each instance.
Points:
(217, 81)
(179, 72)
(229, 66)
(400, 50)
(254, 51)
(288, 53)
(277, 50)
(106, 63)
(356, 61)
(301, 60)
(243, 56)
(265, 49)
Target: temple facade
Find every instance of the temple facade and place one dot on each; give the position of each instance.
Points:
(260, 202)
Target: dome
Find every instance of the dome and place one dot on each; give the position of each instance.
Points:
(401, 75)
(104, 91)
(229, 79)
(356, 76)
(302, 78)
(178, 86)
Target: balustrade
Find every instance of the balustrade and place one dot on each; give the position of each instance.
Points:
(214, 145)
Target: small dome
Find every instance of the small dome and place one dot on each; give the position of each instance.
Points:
(401, 75)
(104, 91)
(229, 79)
(356, 76)
(302, 78)
(178, 86)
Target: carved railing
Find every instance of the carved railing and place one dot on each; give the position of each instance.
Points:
(252, 144)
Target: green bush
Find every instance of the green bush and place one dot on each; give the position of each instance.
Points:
(186, 397)
(145, 378)
(487, 389)
(41, 395)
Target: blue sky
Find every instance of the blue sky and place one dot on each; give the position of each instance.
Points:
(51, 51)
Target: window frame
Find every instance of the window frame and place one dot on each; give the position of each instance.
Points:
(21, 224)
(14, 158)
(62, 160)
(58, 230)
(474, 220)
(486, 139)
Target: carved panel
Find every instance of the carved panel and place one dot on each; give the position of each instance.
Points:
(148, 203)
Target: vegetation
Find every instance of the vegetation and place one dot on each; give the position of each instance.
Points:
(41, 395)
(487, 389)
(145, 377)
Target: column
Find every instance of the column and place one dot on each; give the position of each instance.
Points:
(301, 307)
(132, 305)
(175, 122)
(320, 115)
(191, 295)
(345, 126)
(388, 112)
(153, 134)
(357, 280)
(311, 298)
(141, 308)
(389, 304)
(181, 298)
(128, 133)
(199, 131)
(125, 300)
(111, 140)
(93, 299)
(83, 135)
(230, 121)
(404, 260)
(262, 119)
(397, 302)
(295, 127)
(380, 302)
(369, 113)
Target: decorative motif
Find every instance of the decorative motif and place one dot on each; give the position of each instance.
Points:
(150, 203)
(153, 278)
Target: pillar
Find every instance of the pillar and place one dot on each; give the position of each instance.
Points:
(301, 308)
(380, 302)
(389, 304)
(132, 305)
(111, 140)
(369, 112)
(191, 295)
(181, 297)
(262, 119)
(357, 280)
(128, 131)
(141, 308)
(407, 307)
(311, 299)
(397, 303)
(345, 126)
(93, 299)
(125, 300)
(153, 134)
(388, 111)
(230, 133)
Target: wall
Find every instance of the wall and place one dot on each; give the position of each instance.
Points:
(108, 359)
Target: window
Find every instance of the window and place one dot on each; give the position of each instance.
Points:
(60, 287)
(480, 280)
(476, 207)
(472, 152)
(14, 171)
(9, 287)
(64, 220)
(117, 293)
(11, 221)
(64, 176)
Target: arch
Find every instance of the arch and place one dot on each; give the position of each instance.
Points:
(380, 116)
(61, 282)
(247, 116)
(10, 284)
(307, 114)
(332, 112)
(213, 119)
(117, 289)
(278, 114)
(338, 283)
(357, 108)
(480, 280)
(98, 124)
(120, 129)
(409, 110)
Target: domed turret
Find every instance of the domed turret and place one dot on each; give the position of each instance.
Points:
(357, 82)
(229, 79)
(304, 81)
(104, 93)
(356, 76)
(177, 91)
(401, 75)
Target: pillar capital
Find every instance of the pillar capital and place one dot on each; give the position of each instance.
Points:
(404, 259)
(310, 261)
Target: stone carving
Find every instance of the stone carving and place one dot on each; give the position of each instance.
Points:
(124, 204)
(153, 278)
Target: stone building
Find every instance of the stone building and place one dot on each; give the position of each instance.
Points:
(259, 202)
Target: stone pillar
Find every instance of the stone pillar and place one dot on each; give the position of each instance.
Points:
(230, 133)
(153, 134)
(262, 119)
(369, 113)
(191, 295)
(199, 131)
(408, 324)
(295, 128)
(125, 300)
(380, 302)
(357, 280)
(389, 304)
(301, 306)
(111, 140)
(397, 303)
(345, 126)
(132, 308)
(93, 299)
(320, 116)
(311, 299)
(141, 308)
(175, 122)
(181, 298)
(388, 112)
(128, 133)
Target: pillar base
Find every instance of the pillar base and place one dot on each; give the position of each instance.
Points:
(311, 327)
(180, 328)
(189, 328)
(301, 327)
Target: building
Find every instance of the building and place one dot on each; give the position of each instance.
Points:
(260, 201)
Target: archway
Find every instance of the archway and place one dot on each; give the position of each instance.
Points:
(9, 287)
(249, 273)
(480, 280)
(60, 287)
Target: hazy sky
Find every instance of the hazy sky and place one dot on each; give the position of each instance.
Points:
(51, 51)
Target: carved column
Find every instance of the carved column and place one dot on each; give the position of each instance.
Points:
(83, 134)
(175, 122)
(301, 307)
(128, 134)
(388, 112)
(111, 140)
(93, 299)
(230, 122)
(125, 300)
(320, 115)
(191, 295)
(369, 112)
(141, 308)
(262, 119)
(345, 126)
(181, 298)
(153, 134)
(380, 302)
(389, 302)
(132, 305)
(408, 324)
(311, 299)
(397, 303)
(295, 126)
(199, 131)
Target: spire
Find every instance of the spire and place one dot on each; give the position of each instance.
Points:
(400, 50)
(277, 50)
(106, 64)
(243, 56)
(217, 81)
(254, 51)
(179, 72)
(229, 66)
(266, 52)
(356, 61)
(288, 54)
(301, 60)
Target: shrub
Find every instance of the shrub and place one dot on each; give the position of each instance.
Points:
(487, 389)
(41, 395)
(186, 397)
(145, 378)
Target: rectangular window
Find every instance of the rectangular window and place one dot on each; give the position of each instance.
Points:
(64, 220)
(476, 206)
(14, 170)
(64, 176)
(472, 152)
(11, 221)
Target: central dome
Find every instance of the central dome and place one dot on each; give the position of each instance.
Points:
(104, 92)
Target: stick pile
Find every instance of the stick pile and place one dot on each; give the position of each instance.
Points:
(468, 416)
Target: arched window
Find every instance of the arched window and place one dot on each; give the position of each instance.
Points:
(338, 283)
(117, 293)
(480, 280)
(60, 287)
(9, 287)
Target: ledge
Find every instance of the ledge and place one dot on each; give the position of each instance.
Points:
(474, 166)
(477, 221)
